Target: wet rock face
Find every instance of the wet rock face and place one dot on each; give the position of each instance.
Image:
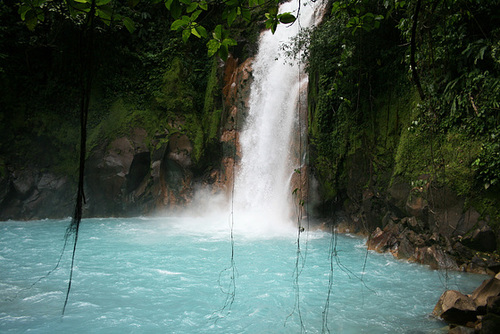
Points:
(124, 178)
(483, 239)
(424, 223)
(33, 194)
(406, 239)
(236, 91)
(115, 174)
(175, 175)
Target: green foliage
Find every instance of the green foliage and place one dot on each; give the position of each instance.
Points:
(188, 16)
(361, 101)
(487, 163)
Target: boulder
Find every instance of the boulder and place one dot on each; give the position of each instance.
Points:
(483, 240)
(489, 288)
(383, 240)
(490, 324)
(461, 330)
(24, 182)
(435, 257)
(456, 308)
(493, 305)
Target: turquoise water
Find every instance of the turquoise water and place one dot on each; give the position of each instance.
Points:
(172, 275)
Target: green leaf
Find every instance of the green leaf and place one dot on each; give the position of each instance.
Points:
(194, 32)
(129, 24)
(133, 3)
(218, 32)
(185, 35)
(186, 2)
(178, 24)
(223, 52)
(201, 31)
(213, 46)
(23, 10)
(232, 16)
(203, 5)
(168, 4)
(335, 7)
(286, 18)
(192, 7)
(104, 15)
(175, 9)
(31, 20)
(274, 26)
(229, 42)
(246, 14)
(195, 15)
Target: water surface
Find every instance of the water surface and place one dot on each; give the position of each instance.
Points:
(173, 275)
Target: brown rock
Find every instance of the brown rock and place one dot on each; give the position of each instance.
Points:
(455, 307)
(490, 324)
(483, 240)
(489, 288)
(435, 257)
(382, 241)
(461, 330)
(493, 305)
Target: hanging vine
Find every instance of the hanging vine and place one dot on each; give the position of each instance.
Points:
(86, 45)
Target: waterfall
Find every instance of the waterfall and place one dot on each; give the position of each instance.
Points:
(262, 194)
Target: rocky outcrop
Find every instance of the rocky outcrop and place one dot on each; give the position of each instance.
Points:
(34, 194)
(115, 171)
(126, 178)
(423, 223)
(407, 239)
(455, 307)
(475, 313)
(138, 172)
(236, 91)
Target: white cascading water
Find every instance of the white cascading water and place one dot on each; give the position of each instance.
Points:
(262, 196)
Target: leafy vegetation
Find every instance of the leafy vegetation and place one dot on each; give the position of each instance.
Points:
(411, 86)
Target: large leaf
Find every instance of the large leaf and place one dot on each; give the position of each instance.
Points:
(213, 46)
(202, 32)
(185, 35)
(223, 52)
(168, 4)
(203, 5)
(178, 24)
(129, 24)
(286, 18)
(218, 32)
(195, 15)
(192, 7)
(175, 9)
(231, 16)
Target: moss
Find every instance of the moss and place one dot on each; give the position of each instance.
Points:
(175, 93)
(120, 119)
(212, 91)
